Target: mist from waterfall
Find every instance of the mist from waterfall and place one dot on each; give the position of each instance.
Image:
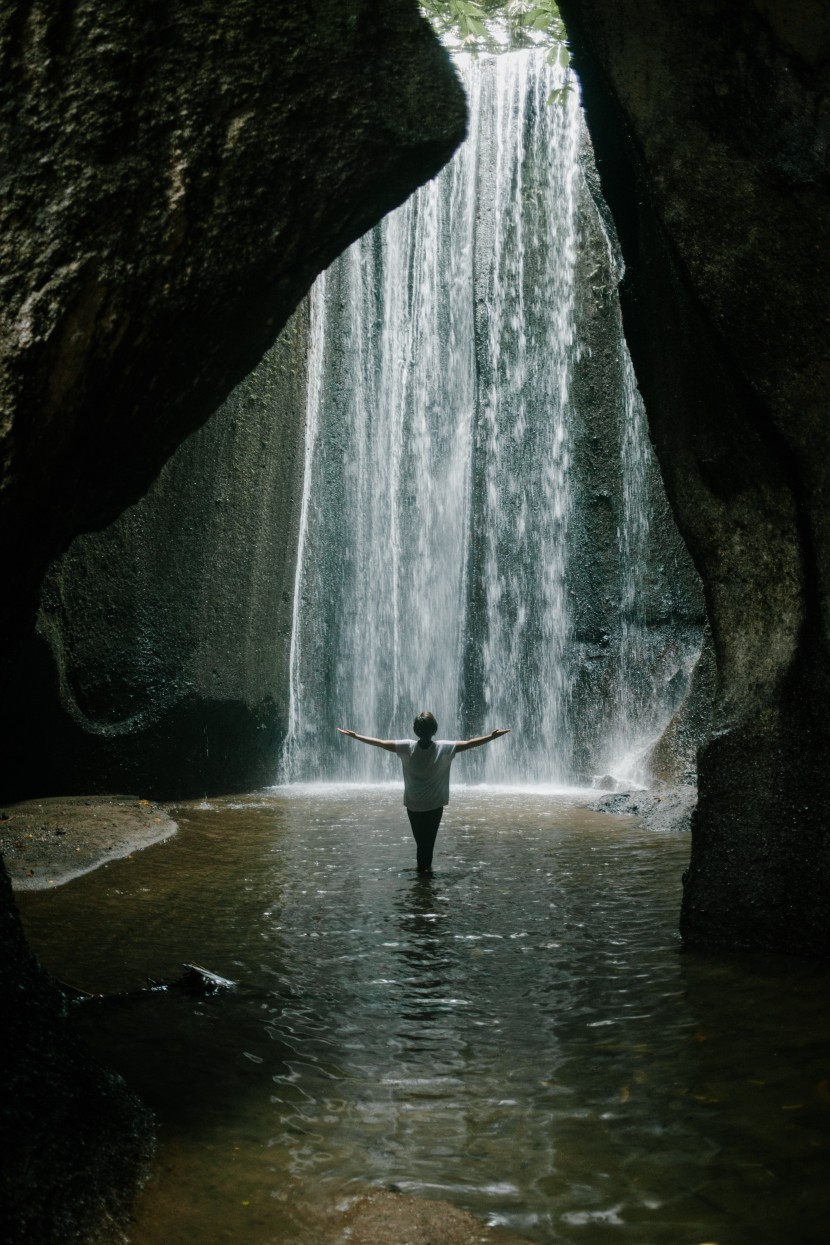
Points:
(436, 531)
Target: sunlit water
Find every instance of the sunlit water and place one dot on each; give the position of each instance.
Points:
(519, 1035)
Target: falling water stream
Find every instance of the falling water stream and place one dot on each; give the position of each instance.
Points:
(441, 503)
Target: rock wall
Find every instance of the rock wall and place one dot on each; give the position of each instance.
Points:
(711, 125)
(638, 612)
(159, 662)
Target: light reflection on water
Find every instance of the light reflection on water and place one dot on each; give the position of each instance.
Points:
(518, 1035)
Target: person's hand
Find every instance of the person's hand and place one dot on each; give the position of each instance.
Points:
(500, 730)
(342, 731)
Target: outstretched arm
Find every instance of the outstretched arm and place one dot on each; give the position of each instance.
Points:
(463, 744)
(388, 744)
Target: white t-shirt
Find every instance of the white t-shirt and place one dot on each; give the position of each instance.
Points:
(426, 773)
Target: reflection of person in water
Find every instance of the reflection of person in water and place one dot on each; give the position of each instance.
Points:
(426, 776)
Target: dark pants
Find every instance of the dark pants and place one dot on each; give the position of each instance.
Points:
(425, 828)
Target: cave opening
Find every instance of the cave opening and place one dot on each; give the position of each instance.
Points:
(474, 518)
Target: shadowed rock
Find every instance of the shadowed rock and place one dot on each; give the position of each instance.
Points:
(711, 127)
(175, 175)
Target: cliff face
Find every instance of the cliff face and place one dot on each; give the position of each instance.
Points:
(636, 601)
(159, 663)
(174, 175)
(711, 125)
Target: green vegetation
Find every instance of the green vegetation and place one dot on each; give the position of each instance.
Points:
(492, 25)
(501, 25)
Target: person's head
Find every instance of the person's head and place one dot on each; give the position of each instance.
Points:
(425, 727)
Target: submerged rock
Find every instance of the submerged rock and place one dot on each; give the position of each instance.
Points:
(664, 808)
(195, 980)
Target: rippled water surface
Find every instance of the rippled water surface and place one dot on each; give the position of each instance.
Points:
(519, 1035)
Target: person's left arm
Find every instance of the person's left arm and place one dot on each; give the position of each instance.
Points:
(463, 745)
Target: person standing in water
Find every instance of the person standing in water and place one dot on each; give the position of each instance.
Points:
(426, 776)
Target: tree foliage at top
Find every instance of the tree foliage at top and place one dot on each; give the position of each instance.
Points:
(496, 25)
(492, 25)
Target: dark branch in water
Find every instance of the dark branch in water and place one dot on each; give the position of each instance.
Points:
(194, 980)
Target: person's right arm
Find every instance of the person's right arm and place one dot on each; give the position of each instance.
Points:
(387, 744)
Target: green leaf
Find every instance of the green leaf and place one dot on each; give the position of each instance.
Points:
(559, 94)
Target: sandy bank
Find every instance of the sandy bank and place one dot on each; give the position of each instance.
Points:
(48, 842)
(388, 1218)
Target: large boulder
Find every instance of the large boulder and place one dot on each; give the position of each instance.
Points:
(175, 176)
(711, 124)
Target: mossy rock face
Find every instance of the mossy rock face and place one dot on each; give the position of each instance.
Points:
(712, 135)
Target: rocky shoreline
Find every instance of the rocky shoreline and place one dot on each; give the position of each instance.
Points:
(663, 808)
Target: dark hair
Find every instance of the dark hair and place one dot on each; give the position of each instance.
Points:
(425, 727)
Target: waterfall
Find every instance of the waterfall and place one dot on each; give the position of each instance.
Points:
(434, 568)
(520, 626)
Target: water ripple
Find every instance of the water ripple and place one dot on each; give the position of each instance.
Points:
(518, 1034)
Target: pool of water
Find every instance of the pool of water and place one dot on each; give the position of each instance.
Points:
(519, 1035)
